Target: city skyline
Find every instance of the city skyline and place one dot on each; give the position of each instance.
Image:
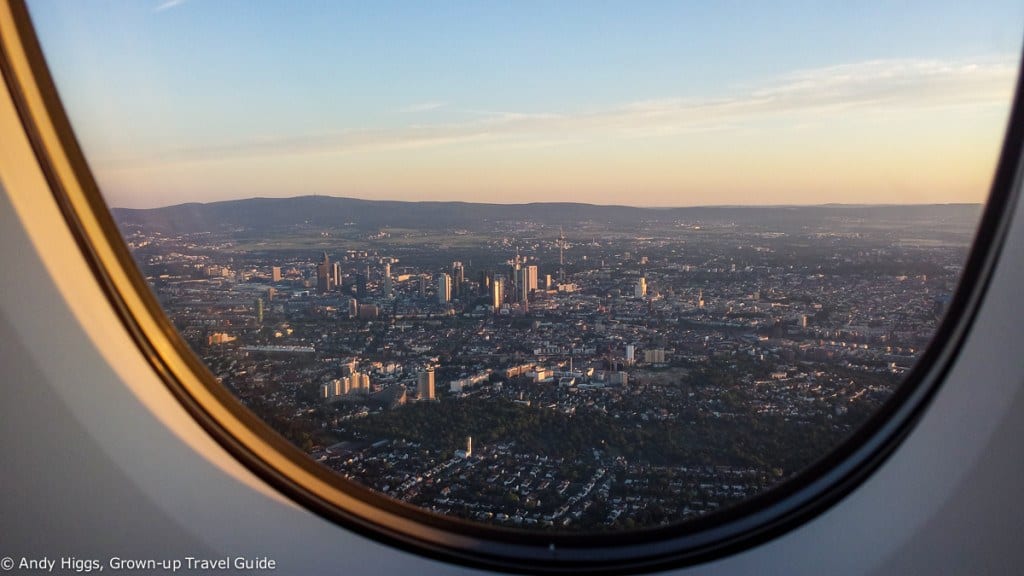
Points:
(534, 103)
(614, 378)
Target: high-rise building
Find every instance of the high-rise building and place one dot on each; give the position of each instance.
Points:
(388, 290)
(468, 452)
(548, 283)
(259, 310)
(336, 275)
(275, 274)
(630, 353)
(522, 285)
(361, 286)
(531, 278)
(641, 288)
(323, 275)
(486, 278)
(458, 277)
(444, 288)
(497, 292)
(426, 384)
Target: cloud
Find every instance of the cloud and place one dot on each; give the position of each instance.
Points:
(168, 4)
(865, 87)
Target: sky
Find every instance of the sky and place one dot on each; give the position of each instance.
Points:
(606, 102)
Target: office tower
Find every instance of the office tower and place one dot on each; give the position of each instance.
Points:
(548, 283)
(444, 288)
(497, 292)
(458, 277)
(522, 285)
(531, 278)
(323, 275)
(259, 310)
(486, 278)
(630, 353)
(275, 274)
(641, 288)
(336, 275)
(388, 291)
(426, 384)
(361, 286)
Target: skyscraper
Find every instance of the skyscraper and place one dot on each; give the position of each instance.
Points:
(531, 278)
(336, 275)
(388, 290)
(458, 277)
(361, 286)
(641, 287)
(275, 274)
(323, 275)
(444, 288)
(522, 285)
(497, 292)
(425, 384)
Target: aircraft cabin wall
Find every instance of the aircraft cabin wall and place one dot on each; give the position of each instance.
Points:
(98, 460)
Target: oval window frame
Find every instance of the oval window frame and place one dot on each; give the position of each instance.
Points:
(292, 472)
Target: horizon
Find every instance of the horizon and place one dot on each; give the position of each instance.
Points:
(663, 104)
(543, 203)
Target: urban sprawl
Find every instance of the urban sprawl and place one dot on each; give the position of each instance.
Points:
(563, 378)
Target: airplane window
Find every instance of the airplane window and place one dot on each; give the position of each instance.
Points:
(578, 281)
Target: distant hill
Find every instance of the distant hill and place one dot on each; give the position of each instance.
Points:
(374, 214)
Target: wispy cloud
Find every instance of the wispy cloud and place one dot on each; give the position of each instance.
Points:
(865, 87)
(167, 5)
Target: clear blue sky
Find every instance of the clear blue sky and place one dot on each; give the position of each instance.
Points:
(654, 103)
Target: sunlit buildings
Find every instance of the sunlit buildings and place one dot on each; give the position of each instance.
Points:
(522, 285)
(425, 384)
(640, 290)
(444, 288)
(323, 275)
(458, 277)
(497, 292)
